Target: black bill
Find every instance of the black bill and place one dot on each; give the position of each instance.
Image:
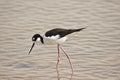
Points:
(31, 48)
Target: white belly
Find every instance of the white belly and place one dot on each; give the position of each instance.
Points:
(49, 41)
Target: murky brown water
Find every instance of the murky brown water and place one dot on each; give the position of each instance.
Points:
(95, 52)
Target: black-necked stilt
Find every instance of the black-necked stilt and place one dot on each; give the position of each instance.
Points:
(55, 36)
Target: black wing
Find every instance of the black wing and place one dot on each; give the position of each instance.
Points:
(61, 32)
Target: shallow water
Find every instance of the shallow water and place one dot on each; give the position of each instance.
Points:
(94, 52)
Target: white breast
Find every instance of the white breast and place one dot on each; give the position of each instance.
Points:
(54, 40)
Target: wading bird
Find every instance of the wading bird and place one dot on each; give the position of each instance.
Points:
(55, 36)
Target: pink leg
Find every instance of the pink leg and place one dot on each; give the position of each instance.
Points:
(58, 62)
(69, 62)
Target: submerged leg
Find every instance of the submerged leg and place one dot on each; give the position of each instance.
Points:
(69, 61)
(58, 62)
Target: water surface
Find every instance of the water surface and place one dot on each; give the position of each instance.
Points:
(94, 52)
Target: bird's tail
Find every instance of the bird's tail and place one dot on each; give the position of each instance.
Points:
(79, 29)
(76, 30)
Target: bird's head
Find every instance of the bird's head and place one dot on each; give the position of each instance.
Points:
(36, 38)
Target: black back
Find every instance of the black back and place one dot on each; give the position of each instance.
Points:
(61, 32)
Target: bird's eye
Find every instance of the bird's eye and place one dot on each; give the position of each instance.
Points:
(33, 39)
